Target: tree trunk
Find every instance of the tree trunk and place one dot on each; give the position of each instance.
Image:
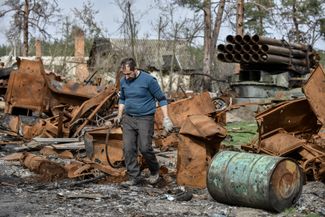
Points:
(158, 55)
(206, 82)
(239, 25)
(25, 28)
(217, 25)
(132, 31)
(171, 72)
(295, 22)
(240, 17)
(260, 21)
(216, 31)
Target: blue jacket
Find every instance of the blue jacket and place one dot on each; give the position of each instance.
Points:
(140, 94)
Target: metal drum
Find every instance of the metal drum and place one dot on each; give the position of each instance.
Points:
(254, 180)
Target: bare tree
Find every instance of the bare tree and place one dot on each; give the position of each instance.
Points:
(300, 21)
(211, 33)
(129, 26)
(30, 15)
(173, 30)
(87, 17)
(161, 26)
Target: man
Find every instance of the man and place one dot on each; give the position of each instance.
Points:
(139, 92)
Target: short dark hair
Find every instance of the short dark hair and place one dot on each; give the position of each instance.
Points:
(130, 62)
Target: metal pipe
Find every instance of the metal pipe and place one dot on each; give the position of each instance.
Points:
(262, 53)
(270, 49)
(229, 48)
(283, 60)
(238, 39)
(255, 47)
(247, 39)
(230, 39)
(225, 57)
(247, 48)
(221, 48)
(237, 58)
(271, 41)
(255, 57)
(238, 48)
(221, 57)
(246, 57)
(262, 57)
(229, 57)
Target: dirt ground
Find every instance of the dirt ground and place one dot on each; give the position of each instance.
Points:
(23, 194)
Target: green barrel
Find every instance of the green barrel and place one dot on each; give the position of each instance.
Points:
(254, 180)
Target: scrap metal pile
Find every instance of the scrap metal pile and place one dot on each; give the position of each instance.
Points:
(296, 129)
(45, 113)
(64, 128)
(267, 54)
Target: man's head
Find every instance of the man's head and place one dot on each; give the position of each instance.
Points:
(128, 68)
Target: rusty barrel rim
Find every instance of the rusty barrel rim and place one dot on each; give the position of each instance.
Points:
(287, 196)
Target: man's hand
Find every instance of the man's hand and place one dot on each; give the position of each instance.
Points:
(168, 125)
(117, 121)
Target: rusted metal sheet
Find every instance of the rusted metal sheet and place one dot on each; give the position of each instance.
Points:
(62, 91)
(313, 161)
(96, 103)
(27, 89)
(179, 110)
(48, 169)
(258, 181)
(314, 90)
(294, 129)
(13, 157)
(202, 126)
(102, 148)
(192, 162)
(10, 122)
(31, 90)
(199, 140)
(92, 102)
(80, 169)
(294, 116)
(280, 144)
(48, 151)
(164, 144)
(26, 126)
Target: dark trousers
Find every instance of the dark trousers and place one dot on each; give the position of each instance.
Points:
(137, 135)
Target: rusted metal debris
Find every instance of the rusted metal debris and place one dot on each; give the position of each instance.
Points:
(293, 129)
(200, 138)
(63, 118)
(107, 147)
(67, 106)
(179, 110)
(40, 165)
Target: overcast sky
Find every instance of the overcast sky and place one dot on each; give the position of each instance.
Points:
(109, 17)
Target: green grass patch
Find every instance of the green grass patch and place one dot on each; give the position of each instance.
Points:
(240, 133)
